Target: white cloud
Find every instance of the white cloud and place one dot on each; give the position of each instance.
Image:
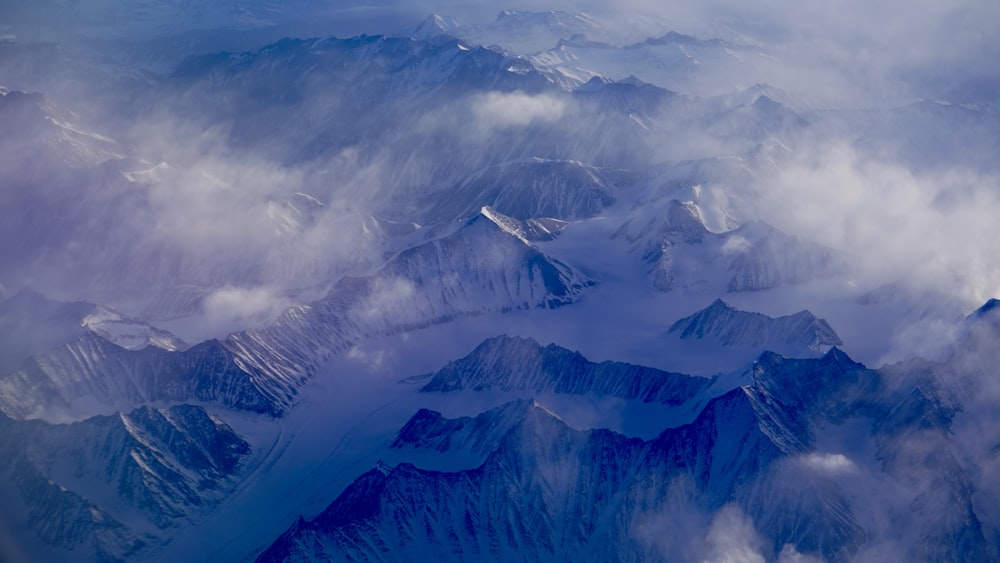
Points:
(239, 306)
(498, 110)
(830, 464)
(932, 229)
(791, 555)
(735, 244)
(732, 538)
(391, 298)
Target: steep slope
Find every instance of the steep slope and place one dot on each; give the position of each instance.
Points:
(532, 189)
(915, 442)
(683, 253)
(485, 264)
(479, 435)
(547, 493)
(370, 82)
(518, 364)
(528, 230)
(521, 31)
(389, 124)
(798, 397)
(94, 376)
(107, 487)
(794, 455)
(675, 61)
(31, 324)
(756, 121)
(948, 424)
(630, 96)
(422, 115)
(129, 333)
(379, 185)
(800, 333)
(766, 257)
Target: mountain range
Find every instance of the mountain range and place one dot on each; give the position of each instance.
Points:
(552, 286)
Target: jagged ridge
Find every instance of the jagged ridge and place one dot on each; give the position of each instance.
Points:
(509, 363)
(91, 375)
(483, 266)
(732, 327)
(80, 482)
(549, 492)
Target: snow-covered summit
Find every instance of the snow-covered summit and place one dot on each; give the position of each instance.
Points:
(799, 333)
(672, 237)
(533, 188)
(435, 25)
(506, 363)
(92, 376)
(519, 31)
(129, 333)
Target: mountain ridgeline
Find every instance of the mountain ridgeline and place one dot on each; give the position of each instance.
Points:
(763, 451)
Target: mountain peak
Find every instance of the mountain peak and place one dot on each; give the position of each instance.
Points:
(834, 384)
(507, 363)
(673, 37)
(719, 305)
(129, 333)
(978, 333)
(531, 188)
(434, 25)
(593, 85)
(527, 231)
(837, 356)
(987, 307)
(985, 318)
(797, 334)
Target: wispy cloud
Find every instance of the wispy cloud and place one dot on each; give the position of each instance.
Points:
(934, 230)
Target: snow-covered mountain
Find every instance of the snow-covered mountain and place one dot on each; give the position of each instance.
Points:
(523, 32)
(801, 332)
(108, 487)
(482, 265)
(516, 364)
(479, 435)
(262, 370)
(32, 324)
(534, 189)
(596, 492)
(463, 135)
(682, 252)
(675, 61)
(91, 375)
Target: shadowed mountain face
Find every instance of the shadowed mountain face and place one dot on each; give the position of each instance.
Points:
(801, 332)
(107, 487)
(594, 492)
(515, 364)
